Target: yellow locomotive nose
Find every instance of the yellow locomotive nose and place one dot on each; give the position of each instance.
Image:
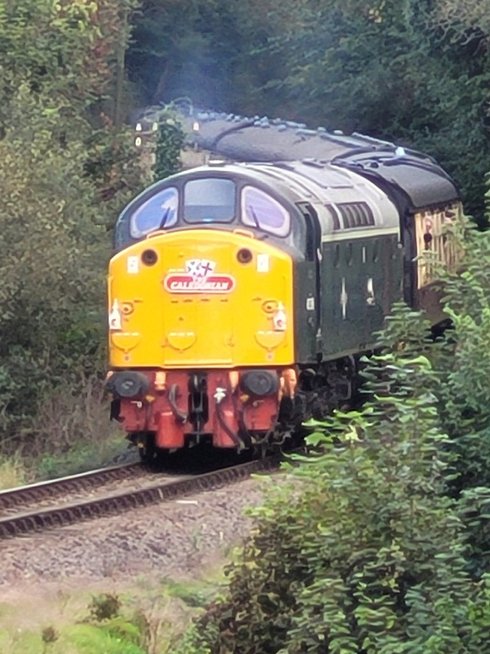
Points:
(200, 299)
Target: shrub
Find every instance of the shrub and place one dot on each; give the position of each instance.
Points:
(363, 551)
(104, 606)
(170, 141)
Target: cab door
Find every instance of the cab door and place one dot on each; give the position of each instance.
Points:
(307, 290)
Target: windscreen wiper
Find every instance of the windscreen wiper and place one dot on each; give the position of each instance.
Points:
(164, 218)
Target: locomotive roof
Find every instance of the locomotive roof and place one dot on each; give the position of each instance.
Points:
(325, 187)
(412, 178)
(329, 189)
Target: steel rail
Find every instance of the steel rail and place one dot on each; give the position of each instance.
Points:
(12, 497)
(115, 503)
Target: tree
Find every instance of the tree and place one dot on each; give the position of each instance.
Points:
(61, 162)
(414, 72)
(389, 70)
(170, 49)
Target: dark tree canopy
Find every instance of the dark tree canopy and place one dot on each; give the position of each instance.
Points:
(412, 71)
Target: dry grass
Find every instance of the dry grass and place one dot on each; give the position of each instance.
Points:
(70, 433)
(12, 472)
(79, 414)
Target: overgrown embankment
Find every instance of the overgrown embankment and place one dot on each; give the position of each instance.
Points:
(66, 169)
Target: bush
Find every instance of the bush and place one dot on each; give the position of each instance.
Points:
(170, 141)
(104, 607)
(463, 393)
(367, 548)
(66, 172)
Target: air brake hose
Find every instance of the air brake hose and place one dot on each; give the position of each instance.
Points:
(241, 421)
(180, 415)
(234, 437)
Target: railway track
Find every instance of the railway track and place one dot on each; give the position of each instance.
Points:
(98, 493)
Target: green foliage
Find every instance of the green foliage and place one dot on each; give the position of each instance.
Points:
(51, 253)
(66, 172)
(363, 552)
(89, 639)
(170, 141)
(379, 540)
(109, 638)
(184, 47)
(346, 65)
(196, 593)
(463, 391)
(123, 629)
(465, 408)
(197, 639)
(487, 196)
(85, 453)
(463, 394)
(66, 50)
(474, 510)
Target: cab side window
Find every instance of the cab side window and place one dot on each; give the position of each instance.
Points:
(158, 212)
(262, 211)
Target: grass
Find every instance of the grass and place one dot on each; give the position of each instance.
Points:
(74, 432)
(82, 456)
(194, 593)
(91, 639)
(12, 472)
(22, 642)
(79, 458)
(71, 433)
(77, 639)
(152, 617)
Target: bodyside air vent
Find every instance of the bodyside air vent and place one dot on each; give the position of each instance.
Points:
(353, 215)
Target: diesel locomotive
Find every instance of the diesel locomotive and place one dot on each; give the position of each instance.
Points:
(244, 290)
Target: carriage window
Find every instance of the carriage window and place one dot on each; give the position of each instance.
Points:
(262, 211)
(158, 212)
(209, 200)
